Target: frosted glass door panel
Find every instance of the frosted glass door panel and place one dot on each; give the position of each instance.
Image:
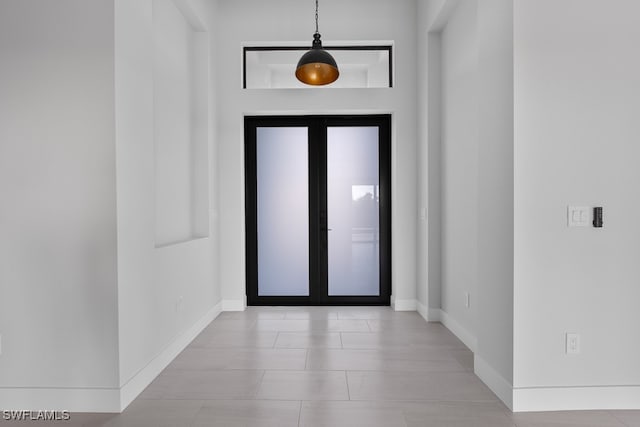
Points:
(353, 192)
(283, 211)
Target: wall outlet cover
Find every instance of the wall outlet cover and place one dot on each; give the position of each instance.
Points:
(572, 343)
(578, 216)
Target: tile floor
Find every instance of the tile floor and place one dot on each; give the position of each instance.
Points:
(332, 367)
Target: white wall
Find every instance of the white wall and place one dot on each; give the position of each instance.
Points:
(96, 310)
(433, 16)
(422, 171)
(459, 165)
(577, 97)
(163, 293)
(431, 180)
(58, 319)
(494, 326)
(255, 20)
(467, 49)
(559, 80)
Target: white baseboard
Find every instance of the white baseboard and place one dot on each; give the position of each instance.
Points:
(403, 304)
(422, 310)
(496, 382)
(234, 304)
(427, 313)
(143, 378)
(576, 398)
(61, 399)
(459, 331)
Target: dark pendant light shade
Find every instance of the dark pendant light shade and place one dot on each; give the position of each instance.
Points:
(317, 67)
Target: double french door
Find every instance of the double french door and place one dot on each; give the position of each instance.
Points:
(318, 210)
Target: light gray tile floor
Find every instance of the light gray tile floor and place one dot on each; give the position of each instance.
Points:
(327, 367)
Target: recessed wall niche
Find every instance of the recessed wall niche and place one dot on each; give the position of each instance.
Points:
(181, 88)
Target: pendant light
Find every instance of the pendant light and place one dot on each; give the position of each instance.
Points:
(317, 67)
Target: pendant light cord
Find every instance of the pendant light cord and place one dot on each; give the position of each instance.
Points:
(317, 17)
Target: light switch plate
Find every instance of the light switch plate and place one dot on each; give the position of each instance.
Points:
(578, 216)
(572, 345)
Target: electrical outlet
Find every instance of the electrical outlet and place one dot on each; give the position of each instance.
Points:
(423, 213)
(573, 344)
(467, 300)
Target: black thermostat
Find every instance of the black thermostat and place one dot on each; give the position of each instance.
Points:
(597, 217)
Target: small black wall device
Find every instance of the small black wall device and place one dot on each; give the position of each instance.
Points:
(597, 217)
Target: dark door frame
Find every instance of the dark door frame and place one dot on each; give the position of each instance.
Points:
(318, 263)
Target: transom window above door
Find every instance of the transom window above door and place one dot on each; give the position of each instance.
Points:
(273, 67)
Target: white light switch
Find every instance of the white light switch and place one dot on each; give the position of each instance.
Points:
(578, 216)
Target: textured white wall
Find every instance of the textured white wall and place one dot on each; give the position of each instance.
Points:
(58, 318)
(255, 20)
(577, 97)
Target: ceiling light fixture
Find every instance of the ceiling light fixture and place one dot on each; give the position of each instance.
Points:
(317, 67)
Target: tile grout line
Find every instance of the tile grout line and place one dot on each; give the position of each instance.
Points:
(255, 394)
(341, 342)
(621, 421)
(276, 340)
(300, 414)
(346, 380)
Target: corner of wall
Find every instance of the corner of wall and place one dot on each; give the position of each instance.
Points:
(498, 384)
(403, 304)
(234, 304)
